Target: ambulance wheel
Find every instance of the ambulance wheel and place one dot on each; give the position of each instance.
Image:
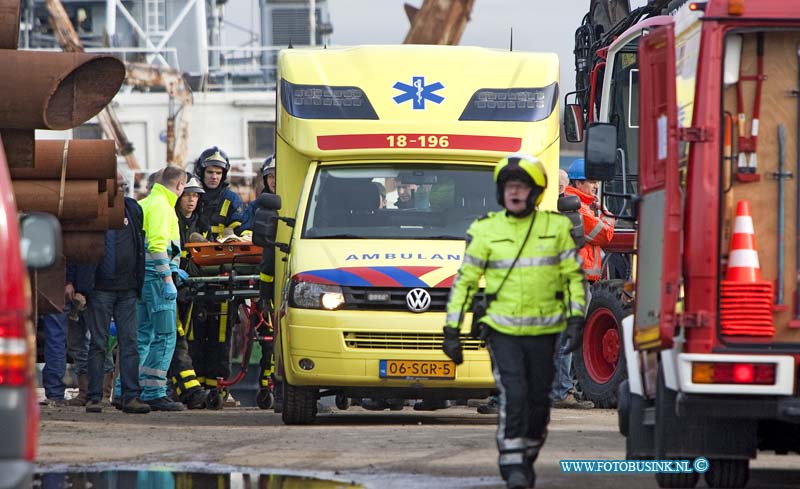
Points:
(600, 362)
(728, 473)
(214, 400)
(299, 405)
(342, 402)
(264, 399)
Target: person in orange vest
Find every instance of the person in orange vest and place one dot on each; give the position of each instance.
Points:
(597, 228)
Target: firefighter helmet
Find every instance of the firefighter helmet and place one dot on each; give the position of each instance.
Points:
(213, 156)
(193, 185)
(268, 165)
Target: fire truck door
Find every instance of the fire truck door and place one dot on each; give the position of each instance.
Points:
(659, 213)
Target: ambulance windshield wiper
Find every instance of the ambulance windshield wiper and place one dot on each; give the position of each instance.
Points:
(340, 236)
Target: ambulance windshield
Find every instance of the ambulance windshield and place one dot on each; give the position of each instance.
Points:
(400, 201)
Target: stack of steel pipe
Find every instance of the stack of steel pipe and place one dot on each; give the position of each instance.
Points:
(75, 180)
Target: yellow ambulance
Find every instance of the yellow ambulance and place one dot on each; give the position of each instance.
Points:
(384, 157)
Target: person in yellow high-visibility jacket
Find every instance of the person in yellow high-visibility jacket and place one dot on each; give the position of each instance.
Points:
(535, 289)
(157, 309)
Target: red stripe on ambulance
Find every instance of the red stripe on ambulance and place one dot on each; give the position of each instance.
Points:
(419, 141)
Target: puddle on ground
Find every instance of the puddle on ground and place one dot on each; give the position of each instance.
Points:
(154, 479)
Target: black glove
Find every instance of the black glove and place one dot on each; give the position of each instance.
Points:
(452, 345)
(573, 335)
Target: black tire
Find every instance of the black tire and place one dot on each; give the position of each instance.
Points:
(342, 402)
(728, 472)
(214, 400)
(264, 399)
(299, 405)
(599, 374)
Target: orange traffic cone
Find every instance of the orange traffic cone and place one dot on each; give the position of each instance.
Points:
(745, 298)
(743, 263)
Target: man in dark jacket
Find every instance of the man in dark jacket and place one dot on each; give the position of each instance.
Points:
(223, 210)
(118, 284)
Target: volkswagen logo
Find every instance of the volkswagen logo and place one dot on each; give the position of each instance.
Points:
(418, 300)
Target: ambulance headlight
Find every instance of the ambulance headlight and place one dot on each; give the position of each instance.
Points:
(310, 295)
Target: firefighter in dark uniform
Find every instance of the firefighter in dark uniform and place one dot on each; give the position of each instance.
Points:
(183, 378)
(222, 209)
(535, 290)
(268, 219)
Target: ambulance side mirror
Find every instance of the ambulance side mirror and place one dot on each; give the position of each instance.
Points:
(570, 205)
(269, 201)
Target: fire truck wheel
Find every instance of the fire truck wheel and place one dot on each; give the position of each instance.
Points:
(600, 362)
(299, 404)
(728, 473)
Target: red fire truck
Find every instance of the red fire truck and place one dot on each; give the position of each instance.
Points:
(692, 112)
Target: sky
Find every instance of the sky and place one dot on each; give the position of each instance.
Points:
(538, 25)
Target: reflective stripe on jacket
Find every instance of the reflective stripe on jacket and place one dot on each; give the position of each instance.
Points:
(162, 240)
(545, 287)
(598, 231)
(222, 209)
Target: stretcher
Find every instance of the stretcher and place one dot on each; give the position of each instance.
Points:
(230, 274)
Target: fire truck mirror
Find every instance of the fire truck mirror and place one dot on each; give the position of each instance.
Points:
(573, 123)
(601, 151)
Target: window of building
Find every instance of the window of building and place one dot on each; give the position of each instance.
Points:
(260, 139)
(87, 131)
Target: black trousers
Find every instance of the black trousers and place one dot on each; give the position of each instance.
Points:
(210, 343)
(181, 372)
(523, 370)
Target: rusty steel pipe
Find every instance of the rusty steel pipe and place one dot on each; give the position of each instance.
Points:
(19, 145)
(48, 90)
(9, 24)
(108, 217)
(84, 247)
(86, 160)
(80, 201)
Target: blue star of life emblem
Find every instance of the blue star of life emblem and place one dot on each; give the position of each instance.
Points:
(418, 92)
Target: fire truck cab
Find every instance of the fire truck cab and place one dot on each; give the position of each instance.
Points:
(697, 144)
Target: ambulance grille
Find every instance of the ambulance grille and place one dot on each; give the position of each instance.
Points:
(403, 341)
(357, 298)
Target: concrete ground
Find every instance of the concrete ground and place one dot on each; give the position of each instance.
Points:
(452, 448)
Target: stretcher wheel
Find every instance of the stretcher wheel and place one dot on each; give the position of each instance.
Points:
(342, 402)
(214, 400)
(264, 399)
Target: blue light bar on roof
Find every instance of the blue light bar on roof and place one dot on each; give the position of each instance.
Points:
(326, 102)
(511, 104)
